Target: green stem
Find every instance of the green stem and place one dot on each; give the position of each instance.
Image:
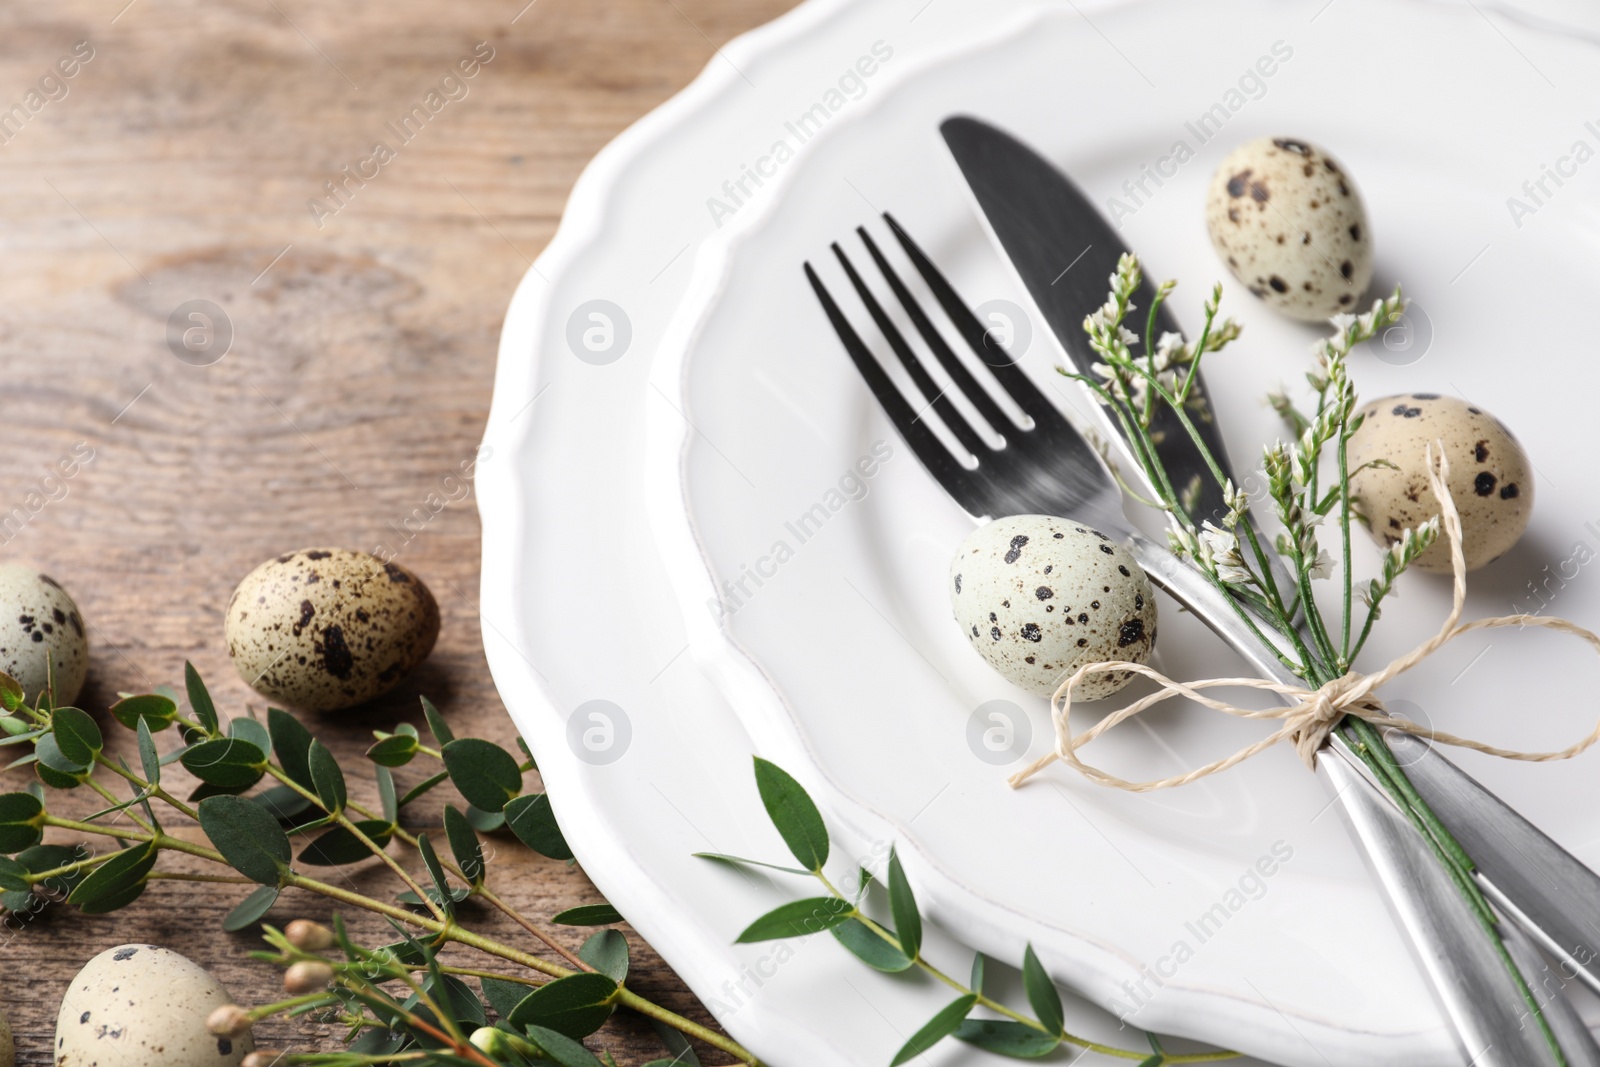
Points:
(155, 790)
(1344, 538)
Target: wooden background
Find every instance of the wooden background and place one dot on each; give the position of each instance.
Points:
(177, 166)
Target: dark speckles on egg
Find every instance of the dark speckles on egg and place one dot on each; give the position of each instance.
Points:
(1480, 451)
(1108, 550)
(1132, 630)
(1030, 632)
(1044, 592)
(1508, 491)
(1484, 483)
(1015, 552)
(958, 583)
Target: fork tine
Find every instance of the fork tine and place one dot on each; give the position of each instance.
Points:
(930, 390)
(927, 447)
(942, 351)
(1011, 377)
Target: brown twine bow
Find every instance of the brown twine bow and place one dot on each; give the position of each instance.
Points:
(1311, 714)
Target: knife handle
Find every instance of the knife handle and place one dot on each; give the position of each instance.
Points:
(1535, 882)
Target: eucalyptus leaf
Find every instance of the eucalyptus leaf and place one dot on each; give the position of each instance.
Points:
(576, 1006)
(562, 1049)
(248, 729)
(503, 996)
(740, 861)
(149, 756)
(251, 910)
(607, 952)
(484, 773)
(485, 822)
(793, 813)
(675, 1043)
(975, 983)
(77, 734)
(903, 906)
(422, 787)
(430, 859)
(105, 905)
(464, 844)
(41, 858)
(338, 846)
(327, 778)
(200, 698)
(248, 837)
(14, 876)
(588, 915)
(395, 751)
(283, 803)
(115, 876)
(229, 762)
(436, 724)
(865, 945)
(157, 711)
(12, 695)
(1007, 1038)
(387, 802)
(48, 749)
(21, 821)
(292, 743)
(798, 918)
(49, 775)
(936, 1030)
(378, 1041)
(531, 819)
(1042, 993)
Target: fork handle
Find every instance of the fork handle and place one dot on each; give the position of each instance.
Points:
(1477, 992)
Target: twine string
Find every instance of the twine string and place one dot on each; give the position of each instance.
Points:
(1309, 715)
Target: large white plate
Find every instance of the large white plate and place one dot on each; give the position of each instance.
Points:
(831, 636)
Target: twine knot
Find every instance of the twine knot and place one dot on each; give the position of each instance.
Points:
(1308, 716)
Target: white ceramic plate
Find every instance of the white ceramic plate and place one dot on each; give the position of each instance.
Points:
(815, 595)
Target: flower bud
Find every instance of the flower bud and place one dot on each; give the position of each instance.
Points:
(489, 1040)
(307, 976)
(263, 1057)
(230, 1020)
(308, 936)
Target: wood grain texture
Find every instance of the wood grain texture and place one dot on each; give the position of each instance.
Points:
(176, 165)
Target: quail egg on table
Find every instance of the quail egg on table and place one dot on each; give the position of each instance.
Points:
(1039, 597)
(325, 629)
(143, 1006)
(1288, 221)
(1490, 480)
(41, 632)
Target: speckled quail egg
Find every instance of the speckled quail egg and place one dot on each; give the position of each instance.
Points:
(1490, 478)
(143, 1006)
(1290, 224)
(326, 628)
(41, 630)
(1039, 597)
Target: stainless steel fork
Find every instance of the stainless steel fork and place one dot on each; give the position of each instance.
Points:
(1044, 466)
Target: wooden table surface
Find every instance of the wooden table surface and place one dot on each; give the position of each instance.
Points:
(177, 164)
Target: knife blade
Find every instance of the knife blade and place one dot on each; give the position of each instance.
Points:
(1064, 250)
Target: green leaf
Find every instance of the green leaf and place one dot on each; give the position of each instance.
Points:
(200, 698)
(464, 844)
(386, 798)
(21, 821)
(48, 749)
(327, 779)
(576, 1006)
(248, 729)
(485, 822)
(793, 813)
(740, 861)
(797, 919)
(531, 819)
(111, 902)
(676, 1045)
(149, 708)
(869, 948)
(903, 906)
(149, 756)
(588, 915)
(436, 724)
(12, 695)
(430, 859)
(1006, 1038)
(607, 952)
(41, 858)
(251, 909)
(14, 876)
(339, 846)
(937, 1029)
(292, 742)
(111, 879)
(486, 774)
(562, 1049)
(503, 996)
(975, 983)
(395, 751)
(422, 787)
(457, 998)
(227, 762)
(77, 734)
(53, 778)
(248, 837)
(1042, 993)
(283, 803)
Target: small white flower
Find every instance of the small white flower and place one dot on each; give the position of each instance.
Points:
(1321, 567)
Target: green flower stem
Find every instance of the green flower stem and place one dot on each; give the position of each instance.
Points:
(341, 819)
(266, 1011)
(1344, 538)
